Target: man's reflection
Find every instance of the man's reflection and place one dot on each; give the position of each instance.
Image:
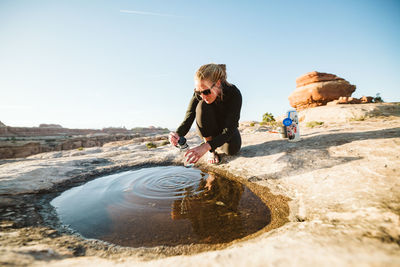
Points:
(214, 211)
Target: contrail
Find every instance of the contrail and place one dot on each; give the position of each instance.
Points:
(146, 13)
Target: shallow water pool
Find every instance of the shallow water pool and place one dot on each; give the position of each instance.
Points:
(155, 206)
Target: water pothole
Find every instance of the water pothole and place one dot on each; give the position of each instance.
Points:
(169, 205)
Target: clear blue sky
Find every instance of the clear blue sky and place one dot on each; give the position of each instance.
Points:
(95, 64)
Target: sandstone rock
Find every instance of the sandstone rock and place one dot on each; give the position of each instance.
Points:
(332, 114)
(366, 99)
(315, 76)
(342, 181)
(7, 131)
(77, 144)
(43, 125)
(351, 100)
(244, 124)
(19, 151)
(348, 100)
(317, 89)
(49, 137)
(332, 103)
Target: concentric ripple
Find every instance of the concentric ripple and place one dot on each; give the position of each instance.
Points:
(163, 183)
(162, 206)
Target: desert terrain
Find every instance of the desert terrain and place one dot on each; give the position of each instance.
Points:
(335, 196)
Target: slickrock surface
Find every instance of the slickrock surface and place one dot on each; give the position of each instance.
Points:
(317, 89)
(341, 181)
(349, 112)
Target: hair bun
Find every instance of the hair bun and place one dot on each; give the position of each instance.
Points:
(212, 72)
(222, 66)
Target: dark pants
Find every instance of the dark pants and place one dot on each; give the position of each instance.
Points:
(208, 126)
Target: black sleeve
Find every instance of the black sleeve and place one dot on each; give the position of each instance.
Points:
(231, 122)
(184, 128)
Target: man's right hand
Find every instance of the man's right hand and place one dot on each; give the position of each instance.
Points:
(173, 138)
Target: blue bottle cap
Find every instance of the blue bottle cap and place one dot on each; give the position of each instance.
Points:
(287, 122)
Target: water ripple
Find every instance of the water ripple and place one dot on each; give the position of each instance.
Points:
(160, 184)
(162, 205)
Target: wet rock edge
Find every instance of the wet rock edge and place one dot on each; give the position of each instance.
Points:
(36, 220)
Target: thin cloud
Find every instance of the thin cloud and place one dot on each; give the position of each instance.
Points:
(147, 13)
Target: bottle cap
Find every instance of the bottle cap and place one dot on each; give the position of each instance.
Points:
(287, 122)
(182, 140)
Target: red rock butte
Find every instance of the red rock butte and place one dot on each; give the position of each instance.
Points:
(317, 89)
(315, 76)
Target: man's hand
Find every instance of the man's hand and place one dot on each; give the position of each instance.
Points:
(194, 154)
(173, 138)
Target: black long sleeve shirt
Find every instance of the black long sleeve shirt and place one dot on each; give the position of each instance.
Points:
(228, 114)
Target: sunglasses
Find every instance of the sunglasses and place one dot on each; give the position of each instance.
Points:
(204, 92)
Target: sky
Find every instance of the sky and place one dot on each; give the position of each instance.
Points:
(96, 64)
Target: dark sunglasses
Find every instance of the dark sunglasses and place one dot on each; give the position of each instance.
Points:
(204, 92)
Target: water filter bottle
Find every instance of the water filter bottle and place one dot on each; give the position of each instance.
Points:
(183, 146)
(292, 126)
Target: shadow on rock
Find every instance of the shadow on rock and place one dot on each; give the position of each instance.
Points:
(311, 153)
(385, 110)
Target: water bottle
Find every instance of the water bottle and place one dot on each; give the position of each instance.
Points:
(291, 122)
(183, 146)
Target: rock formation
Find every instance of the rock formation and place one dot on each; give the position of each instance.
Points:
(18, 142)
(351, 100)
(8, 131)
(43, 125)
(317, 89)
(315, 76)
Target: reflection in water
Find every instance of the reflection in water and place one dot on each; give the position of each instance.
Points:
(162, 206)
(213, 212)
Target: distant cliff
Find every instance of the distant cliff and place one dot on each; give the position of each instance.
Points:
(57, 130)
(17, 142)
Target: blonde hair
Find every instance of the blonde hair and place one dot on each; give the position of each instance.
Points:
(212, 72)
